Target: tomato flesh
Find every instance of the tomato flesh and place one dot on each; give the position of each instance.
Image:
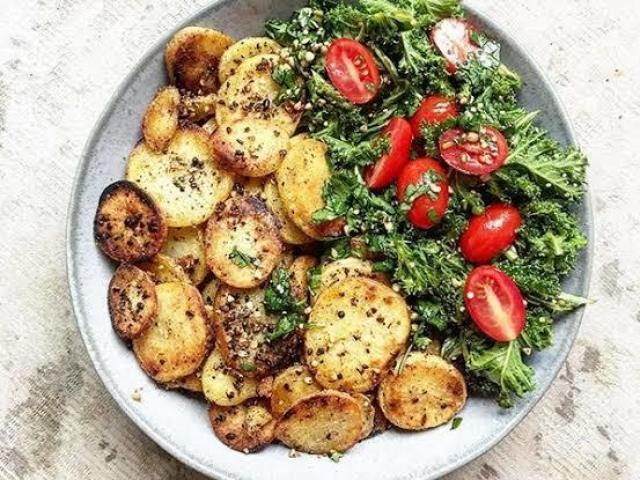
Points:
(474, 153)
(352, 70)
(427, 209)
(432, 111)
(495, 303)
(386, 170)
(452, 37)
(490, 233)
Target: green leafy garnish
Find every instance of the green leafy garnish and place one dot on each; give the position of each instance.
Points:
(456, 422)
(280, 300)
(241, 259)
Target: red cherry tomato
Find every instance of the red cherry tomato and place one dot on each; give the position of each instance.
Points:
(495, 303)
(452, 36)
(490, 233)
(385, 171)
(432, 111)
(426, 210)
(474, 153)
(352, 70)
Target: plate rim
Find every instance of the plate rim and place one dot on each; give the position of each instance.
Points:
(175, 450)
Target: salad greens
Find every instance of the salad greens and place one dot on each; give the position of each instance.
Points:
(541, 177)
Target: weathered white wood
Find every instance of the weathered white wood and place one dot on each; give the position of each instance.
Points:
(60, 60)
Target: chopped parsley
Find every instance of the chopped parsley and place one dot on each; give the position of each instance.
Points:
(280, 300)
(241, 259)
(456, 422)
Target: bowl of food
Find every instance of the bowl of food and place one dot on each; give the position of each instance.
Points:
(330, 231)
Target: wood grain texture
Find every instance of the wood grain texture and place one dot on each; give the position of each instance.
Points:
(60, 60)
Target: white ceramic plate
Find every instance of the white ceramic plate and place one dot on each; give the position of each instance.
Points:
(179, 424)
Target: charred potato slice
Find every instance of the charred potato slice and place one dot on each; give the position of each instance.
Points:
(250, 147)
(299, 278)
(128, 225)
(185, 182)
(164, 269)
(427, 392)
(132, 301)
(368, 413)
(224, 386)
(191, 383)
(242, 329)
(359, 326)
(242, 242)
(160, 121)
(301, 178)
(198, 108)
(251, 93)
(186, 246)
(175, 345)
(289, 231)
(321, 423)
(192, 57)
(246, 428)
(242, 50)
(291, 385)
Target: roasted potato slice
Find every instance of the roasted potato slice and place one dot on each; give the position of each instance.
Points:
(128, 225)
(209, 291)
(299, 279)
(359, 326)
(247, 428)
(185, 182)
(291, 385)
(186, 246)
(164, 269)
(224, 386)
(192, 57)
(301, 178)
(368, 413)
(132, 301)
(242, 50)
(428, 392)
(198, 108)
(160, 121)
(289, 231)
(191, 383)
(321, 423)
(175, 345)
(251, 92)
(210, 126)
(242, 242)
(250, 146)
(242, 329)
(250, 186)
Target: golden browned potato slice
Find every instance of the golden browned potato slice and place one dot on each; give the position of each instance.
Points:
(186, 246)
(301, 178)
(160, 121)
(191, 383)
(343, 268)
(380, 422)
(241, 50)
(427, 392)
(242, 329)
(224, 386)
(209, 291)
(250, 186)
(132, 301)
(242, 242)
(185, 182)
(291, 385)
(368, 413)
(289, 231)
(210, 126)
(164, 269)
(250, 147)
(252, 92)
(247, 428)
(128, 225)
(321, 423)
(359, 326)
(299, 278)
(192, 57)
(198, 108)
(175, 345)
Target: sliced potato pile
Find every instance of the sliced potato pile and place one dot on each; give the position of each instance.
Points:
(185, 181)
(291, 385)
(359, 326)
(128, 225)
(175, 345)
(426, 393)
(164, 269)
(247, 427)
(289, 231)
(160, 121)
(186, 246)
(240, 51)
(224, 386)
(132, 301)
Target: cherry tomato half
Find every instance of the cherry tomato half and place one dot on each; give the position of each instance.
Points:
(432, 111)
(495, 303)
(474, 153)
(452, 36)
(352, 70)
(490, 233)
(426, 210)
(385, 171)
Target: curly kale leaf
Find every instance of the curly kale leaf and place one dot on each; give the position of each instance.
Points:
(421, 63)
(280, 300)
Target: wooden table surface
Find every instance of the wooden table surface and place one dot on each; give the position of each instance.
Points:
(60, 60)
